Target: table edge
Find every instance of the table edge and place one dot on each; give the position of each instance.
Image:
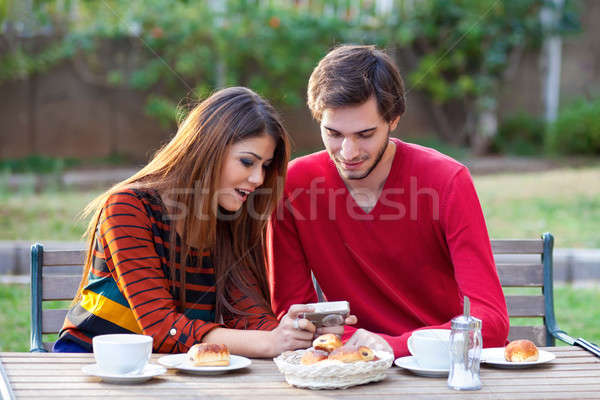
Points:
(6, 391)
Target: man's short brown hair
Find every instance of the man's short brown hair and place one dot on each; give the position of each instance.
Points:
(350, 75)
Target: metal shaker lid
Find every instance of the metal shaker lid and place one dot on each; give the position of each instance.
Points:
(466, 321)
(463, 323)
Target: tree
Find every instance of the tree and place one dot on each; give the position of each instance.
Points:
(459, 53)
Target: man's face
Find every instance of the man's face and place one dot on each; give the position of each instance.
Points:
(356, 138)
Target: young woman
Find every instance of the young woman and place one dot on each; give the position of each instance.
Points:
(177, 251)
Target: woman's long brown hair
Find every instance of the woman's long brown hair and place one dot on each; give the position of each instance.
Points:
(187, 171)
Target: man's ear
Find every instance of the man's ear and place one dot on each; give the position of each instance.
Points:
(394, 123)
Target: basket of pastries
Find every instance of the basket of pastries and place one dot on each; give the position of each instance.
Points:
(330, 364)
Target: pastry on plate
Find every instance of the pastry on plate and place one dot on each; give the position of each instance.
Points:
(521, 351)
(208, 355)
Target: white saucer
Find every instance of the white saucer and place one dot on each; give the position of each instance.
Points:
(150, 371)
(182, 363)
(410, 363)
(495, 356)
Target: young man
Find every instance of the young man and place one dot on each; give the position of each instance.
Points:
(394, 228)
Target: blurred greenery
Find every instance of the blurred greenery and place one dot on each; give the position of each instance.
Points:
(4, 9)
(455, 52)
(565, 202)
(456, 152)
(577, 129)
(458, 53)
(521, 134)
(50, 215)
(39, 164)
(489, 31)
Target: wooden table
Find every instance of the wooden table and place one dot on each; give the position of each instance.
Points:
(574, 374)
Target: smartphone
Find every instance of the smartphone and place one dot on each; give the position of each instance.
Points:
(329, 313)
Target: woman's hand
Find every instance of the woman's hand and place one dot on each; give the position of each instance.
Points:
(338, 329)
(293, 332)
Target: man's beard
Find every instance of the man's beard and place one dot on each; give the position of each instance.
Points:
(377, 159)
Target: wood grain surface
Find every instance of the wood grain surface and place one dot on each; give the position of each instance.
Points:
(574, 374)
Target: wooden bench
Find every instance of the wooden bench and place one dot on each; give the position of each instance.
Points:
(55, 275)
(534, 274)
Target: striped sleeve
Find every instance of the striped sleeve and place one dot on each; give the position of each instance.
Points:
(127, 237)
(255, 316)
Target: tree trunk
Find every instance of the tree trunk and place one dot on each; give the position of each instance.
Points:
(486, 126)
(406, 57)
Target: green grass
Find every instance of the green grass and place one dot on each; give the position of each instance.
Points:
(38, 164)
(565, 202)
(576, 312)
(575, 309)
(47, 165)
(14, 318)
(456, 152)
(51, 215)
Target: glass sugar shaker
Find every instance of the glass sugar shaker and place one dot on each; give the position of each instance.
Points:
(465, 351)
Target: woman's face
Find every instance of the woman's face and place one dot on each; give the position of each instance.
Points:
(244, 170)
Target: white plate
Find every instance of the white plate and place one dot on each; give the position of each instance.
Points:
(181, 362)
(495, 356)
(150, 371)
(410, 363)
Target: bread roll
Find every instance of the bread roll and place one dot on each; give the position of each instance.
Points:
(521, 351)
(208, 355)
(328, 342)
(312, 356)
(363, 353)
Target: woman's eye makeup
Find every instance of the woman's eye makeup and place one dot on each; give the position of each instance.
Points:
(246, 162)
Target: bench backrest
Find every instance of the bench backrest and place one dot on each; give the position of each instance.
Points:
(55, 275)
(534, 272)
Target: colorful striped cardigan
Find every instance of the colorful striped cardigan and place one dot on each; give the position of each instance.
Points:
(128, 291)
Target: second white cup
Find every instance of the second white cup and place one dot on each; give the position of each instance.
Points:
(431, 348)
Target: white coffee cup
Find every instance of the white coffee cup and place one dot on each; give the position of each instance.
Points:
(431, 348)
(122, 353)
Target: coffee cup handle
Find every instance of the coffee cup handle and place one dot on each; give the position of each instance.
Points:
(408, 344)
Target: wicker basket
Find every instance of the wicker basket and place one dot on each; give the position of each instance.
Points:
(332, 374)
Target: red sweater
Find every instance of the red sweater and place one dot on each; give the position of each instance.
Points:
(405, 265)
